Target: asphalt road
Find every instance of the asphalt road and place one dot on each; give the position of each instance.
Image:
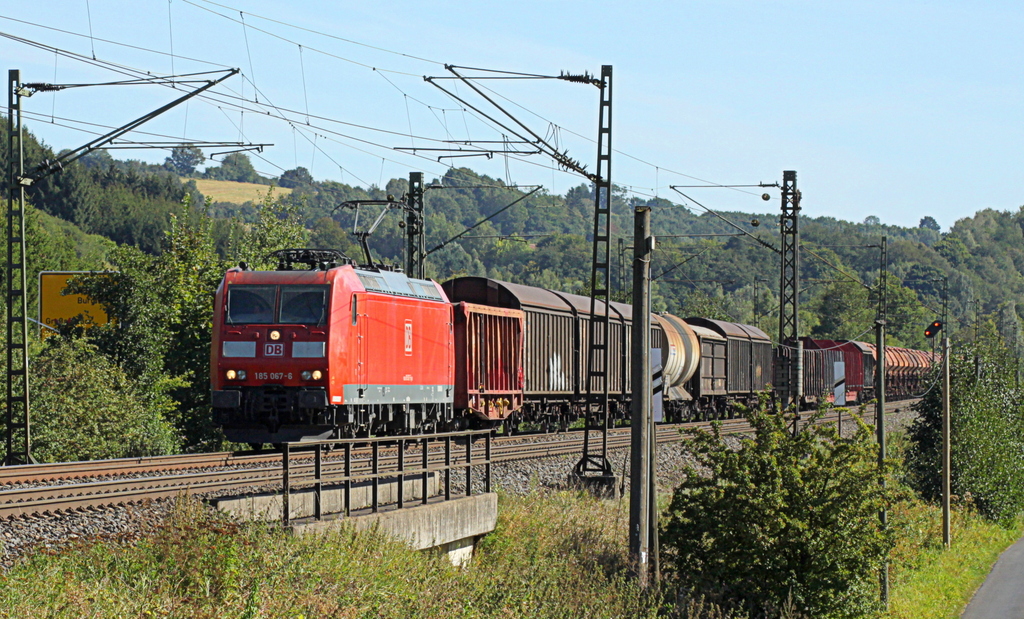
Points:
(1001, 596)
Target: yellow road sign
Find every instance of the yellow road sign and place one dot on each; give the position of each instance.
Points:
(56, 308)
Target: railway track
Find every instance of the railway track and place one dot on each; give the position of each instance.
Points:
(104, 483)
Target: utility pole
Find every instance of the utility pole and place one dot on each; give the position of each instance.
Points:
(414, 233)
(757, 313)
(594, 467)
(946, 469)
(945, 302)
(883, 515)
(622, 264)
(977, 337)
(789, 291)
(18, 419)
(642, 503)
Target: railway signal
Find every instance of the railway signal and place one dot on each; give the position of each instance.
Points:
(933, 328)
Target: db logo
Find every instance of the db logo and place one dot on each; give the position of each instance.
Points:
(273, 350)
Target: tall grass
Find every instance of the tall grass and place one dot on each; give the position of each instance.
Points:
(553, 555)
(929, 581)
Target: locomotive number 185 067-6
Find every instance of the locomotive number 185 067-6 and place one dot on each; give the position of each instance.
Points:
(273, 375)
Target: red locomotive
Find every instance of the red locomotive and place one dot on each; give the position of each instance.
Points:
(299, 353)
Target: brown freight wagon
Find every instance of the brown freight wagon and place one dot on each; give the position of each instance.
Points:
(489, 376)
(735, 364)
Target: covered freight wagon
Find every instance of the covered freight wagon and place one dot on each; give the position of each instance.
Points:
(859, 367)
(824, 370)
(556, 343)
(735, 363)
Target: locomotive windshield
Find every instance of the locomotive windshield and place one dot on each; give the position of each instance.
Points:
(249, 305)
(263, 305)
(303, 304)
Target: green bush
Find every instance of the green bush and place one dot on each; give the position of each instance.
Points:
(782, 520)
(86, 408)
(986, 428)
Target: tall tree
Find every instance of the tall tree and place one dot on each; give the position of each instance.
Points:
(844, 310)
(235, 167)
(295, 178)
(929, 222)
(184, 159)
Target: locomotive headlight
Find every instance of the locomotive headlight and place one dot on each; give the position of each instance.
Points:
(231, 375)
(317, 374)
(275, 335)
(241, 374)
(306, 375)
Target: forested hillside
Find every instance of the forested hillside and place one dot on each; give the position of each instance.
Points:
(170, 247)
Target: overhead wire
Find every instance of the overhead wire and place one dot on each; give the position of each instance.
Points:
(252, 70)
(88, 13)
(376, 69)
(852, 278)
(125, 70)
(286, 40)
(334, 161)
(245, 26)
(305, 95)
(53, 96)
(324, 34)
(325, 130)
(111, 42)
(212, 96)
(170, 29)
(615, 150)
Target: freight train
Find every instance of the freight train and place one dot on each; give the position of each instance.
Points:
(334, 350)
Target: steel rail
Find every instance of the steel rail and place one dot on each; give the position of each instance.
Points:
(29, 473)
(41, 500)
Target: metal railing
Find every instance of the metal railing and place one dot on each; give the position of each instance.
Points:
(435, 456)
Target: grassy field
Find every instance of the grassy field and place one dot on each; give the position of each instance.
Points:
(236, 193)
(554, 554)
(930, 582)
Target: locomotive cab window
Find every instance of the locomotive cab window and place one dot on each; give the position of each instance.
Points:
(251, 304)
(303, 304)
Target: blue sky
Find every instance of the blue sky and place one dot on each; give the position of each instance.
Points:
(895, 109)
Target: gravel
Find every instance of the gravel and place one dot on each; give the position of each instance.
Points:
(23, 536)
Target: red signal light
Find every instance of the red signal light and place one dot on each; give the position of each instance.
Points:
(933, 328)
